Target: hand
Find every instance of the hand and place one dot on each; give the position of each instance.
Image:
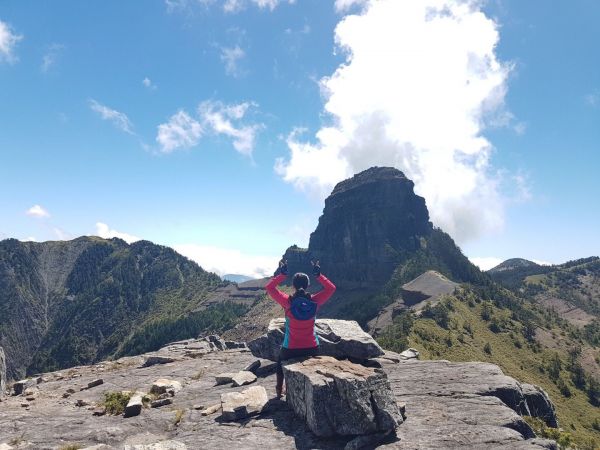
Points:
(283, 268)
(316, 268)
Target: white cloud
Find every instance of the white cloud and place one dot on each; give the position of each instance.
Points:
(117, 118)
(8, 41)
(38, 211)
(420, 83)
(51, 56)
(104, 231)
(593, 99)
(229, 261)
(29, 239)
(486, 262)
(231, 56)
(184, 131)
(345, 5)
(147, 82)
(220, 119)
(181, 131)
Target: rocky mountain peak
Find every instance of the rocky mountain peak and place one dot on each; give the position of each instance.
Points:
(368, 221)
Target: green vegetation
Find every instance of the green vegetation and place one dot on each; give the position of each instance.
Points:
(115, 402)
(71, 447)
(117, 299)
(153, 334)
(563, 439)
(465, 335)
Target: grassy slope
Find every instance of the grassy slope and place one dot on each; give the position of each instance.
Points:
(526, 364)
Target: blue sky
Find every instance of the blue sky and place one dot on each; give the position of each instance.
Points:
(217, 127)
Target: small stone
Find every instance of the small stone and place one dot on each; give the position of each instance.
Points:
(66, 395)
(253, 366)
(134, 407)
(224, 378)
(164, 385)
(98, 411)
(243, 378)
(160, 402)
(198, 406)
(25, 405)
(80, 403)
(30, 398)
(70, 391)
(211, 410)
(95, 383)
(156, 359)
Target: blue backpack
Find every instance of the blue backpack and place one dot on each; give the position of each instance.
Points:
(302, 307)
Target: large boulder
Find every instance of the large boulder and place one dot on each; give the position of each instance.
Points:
(338, 338)
(341, 398)
(538, 404)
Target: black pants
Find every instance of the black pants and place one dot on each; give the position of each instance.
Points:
(292, 353)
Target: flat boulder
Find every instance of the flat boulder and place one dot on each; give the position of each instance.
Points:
(243, 378)
(338, 338)
(240, 405)
(340, 398)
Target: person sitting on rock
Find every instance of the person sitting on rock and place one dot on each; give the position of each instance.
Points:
(300, 338)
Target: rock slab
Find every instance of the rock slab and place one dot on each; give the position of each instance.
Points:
(341, 398)
(243, 378)
(338, 338)
(240, 405)
(135, 405)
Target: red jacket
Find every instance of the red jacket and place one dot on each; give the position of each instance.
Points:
(299, 333)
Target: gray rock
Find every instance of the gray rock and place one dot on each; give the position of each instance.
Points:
(164, 385)
(538, 404)
(163, 445)
(341, 398)
(243, 378)
(211, 410)
(94, 383)
(224, 378)
(410, 353)
(231, 345)
(338, 338)
(2, 372)
(240, 405)
(252, 366)
(135, 405)
(157, 359)
(217, 342)
(20, 386)
(160, 402)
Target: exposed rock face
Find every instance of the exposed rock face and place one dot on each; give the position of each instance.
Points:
(2, 372)
(447, 406)
(539, 404)
(338, 338)
(468, 395)
(341, 398)
(366, 221)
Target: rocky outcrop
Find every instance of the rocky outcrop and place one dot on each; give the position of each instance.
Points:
(339, 398)
(470, 395)
(447, 405)
(367, 220)
(538, 404)
(338, 338)
(2, 372)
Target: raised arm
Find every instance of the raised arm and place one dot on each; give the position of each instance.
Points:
(328, 287)
(271, 287)
(324, 294)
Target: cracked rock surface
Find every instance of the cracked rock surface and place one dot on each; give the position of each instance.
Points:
(447, 405)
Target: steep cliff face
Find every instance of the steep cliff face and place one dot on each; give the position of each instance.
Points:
(374, 236)
(369, 223)
(2, 372)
